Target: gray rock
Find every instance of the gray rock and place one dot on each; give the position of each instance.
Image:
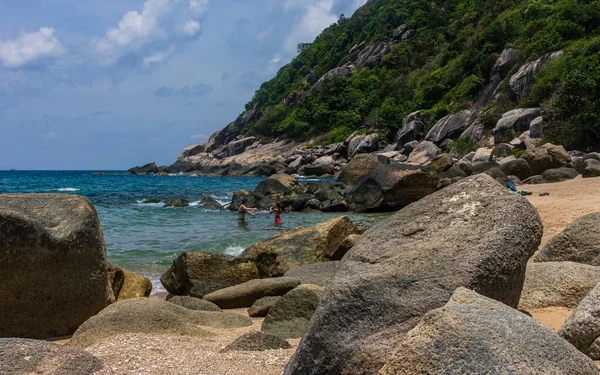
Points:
(260, 308)
(475, 131)
(517, 167)
(344, 246)
(197, 274)
(450, 127)
(546, 157)
(53, 272)
(504, 149)
(342, 72)
(506, 61)
(472, 334)
(244, 295)
(483, 155)
(391, 187)
(591, 168)
(193, 303)
(152, 316)
(21, 357)
(192, 150)
(257, 342)
(353, 142)
(317, 273)
(270, 187)
(474, 233)
(297, 247)
(563, 284)
(424, 153)
(578, 242)
(176, 202)
(237, 147)
(441, 163)
(514, 123)
(412, 131)
(582, 328)
(150, 168)
(521, 81)
(536, 128)
(560, 174)
(211, 203)
(289, 317)
(369, 143)
(317, 170)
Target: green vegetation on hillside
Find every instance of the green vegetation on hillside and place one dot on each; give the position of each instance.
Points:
(441, 69)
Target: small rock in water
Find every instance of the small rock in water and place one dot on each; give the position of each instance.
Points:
(176, 202)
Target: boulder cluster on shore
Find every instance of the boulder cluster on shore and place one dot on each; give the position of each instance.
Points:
(433, 289)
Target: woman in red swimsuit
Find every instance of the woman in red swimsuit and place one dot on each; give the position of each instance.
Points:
(276, 209)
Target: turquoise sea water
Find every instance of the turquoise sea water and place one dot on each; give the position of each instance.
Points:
(145, 238)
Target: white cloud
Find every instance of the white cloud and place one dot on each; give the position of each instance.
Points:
(158, 57)
(199, 136)
(276, 59)
(160, 25)
(316, 17)
(29, 47)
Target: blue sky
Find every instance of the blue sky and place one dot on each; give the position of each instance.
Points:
(110, 84)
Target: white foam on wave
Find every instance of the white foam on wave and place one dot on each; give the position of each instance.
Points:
(194, 204)
(141, 203)
(68, 189)
(157, 286)
(234, 250)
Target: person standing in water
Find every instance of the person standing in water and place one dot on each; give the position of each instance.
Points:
(276, 209)
(243, 210)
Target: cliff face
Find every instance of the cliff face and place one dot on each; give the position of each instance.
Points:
(392, 58)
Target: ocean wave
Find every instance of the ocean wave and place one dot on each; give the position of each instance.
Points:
(157, 286)
(141, 203)
(234, 250)
(68, 189)
(194, 204)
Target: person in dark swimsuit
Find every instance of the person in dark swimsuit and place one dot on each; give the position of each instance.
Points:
(243, 210)
(277, 210)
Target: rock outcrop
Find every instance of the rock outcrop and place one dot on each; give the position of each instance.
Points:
(197, 274)
(152, 316)
(277, 255)
(391, 187)
(578, 242)
(290, 315)
(450, 127)
(424, 153)
(546, 157)
(521, 81)
(474, 233)
(244, 295)
(53, 272)
(582, 328)
(358, 168)
(316, 273)
(472, 334)
(126, 284)
(149, 168)
(562, 284)
(514, 123)
(193, 303)
(21, 357)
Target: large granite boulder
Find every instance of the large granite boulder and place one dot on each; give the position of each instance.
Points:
(546, 157)
(237, 147)
(559, 174)
(290, 315)
(358, 168)
(244, 295)
(472, 334)
(152, 316)
(474, 233)
(257, 342)
(270, 187)
(316, 273)
(514, 123)
(591, 168)
(277, 255)
(53, 272)
(192, 150)
(344, 246)
(197, 274)
(562, 284)
(413, 129)
(423, 153)
(582, 328)
(450, 127)
(517, 167)
(578, 242)
(522, 81)
(23, 357)
(150, 168)
(193, 303)
(126, 284)
(260, 308)
(391, 187)
(369, 143)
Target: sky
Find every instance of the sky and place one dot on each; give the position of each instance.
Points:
(111, 84)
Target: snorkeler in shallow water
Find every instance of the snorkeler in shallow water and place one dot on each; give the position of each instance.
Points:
(243, 210)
